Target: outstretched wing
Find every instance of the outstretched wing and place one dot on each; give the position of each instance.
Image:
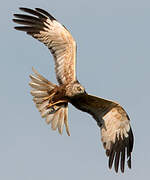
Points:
(116, 133)
(44, 27)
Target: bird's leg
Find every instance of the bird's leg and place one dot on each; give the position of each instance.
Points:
(51, 94)
(48, 97)
(55, 97)
(55, 103)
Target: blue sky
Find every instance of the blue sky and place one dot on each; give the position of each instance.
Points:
(113, 62)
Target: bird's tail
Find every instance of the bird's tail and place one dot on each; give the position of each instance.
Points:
(42, 91)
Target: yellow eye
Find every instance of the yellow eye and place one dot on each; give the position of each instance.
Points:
(79, 89)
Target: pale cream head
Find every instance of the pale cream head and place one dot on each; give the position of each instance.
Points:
(74, 89)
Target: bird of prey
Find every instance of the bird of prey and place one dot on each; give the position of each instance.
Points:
(52, 100)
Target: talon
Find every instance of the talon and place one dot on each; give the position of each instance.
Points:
(48, 97)
(49, 105)
(57, 102)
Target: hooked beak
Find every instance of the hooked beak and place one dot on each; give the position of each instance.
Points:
(85, 92)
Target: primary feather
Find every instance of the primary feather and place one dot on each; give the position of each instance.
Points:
(116, 133)
(44, 27)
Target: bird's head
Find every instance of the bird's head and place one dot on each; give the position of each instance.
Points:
(74, 89)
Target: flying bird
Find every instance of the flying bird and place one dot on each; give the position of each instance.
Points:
(52, 100)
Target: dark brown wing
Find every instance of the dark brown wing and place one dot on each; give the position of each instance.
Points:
(116, 133)
(44, 27)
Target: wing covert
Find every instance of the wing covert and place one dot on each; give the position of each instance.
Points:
(117, 137)
(116, 133)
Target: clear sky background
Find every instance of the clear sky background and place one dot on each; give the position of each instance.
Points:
(113, 61)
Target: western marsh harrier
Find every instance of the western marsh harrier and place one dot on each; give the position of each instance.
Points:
(52, 100)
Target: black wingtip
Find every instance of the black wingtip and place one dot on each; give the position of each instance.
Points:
(111, 159)
(15, 20)
(45, 13)
(15, 15)
(129, 162)
(23, 8)
(122, 164)
(118, 151)
(117, 158)
(15, 28)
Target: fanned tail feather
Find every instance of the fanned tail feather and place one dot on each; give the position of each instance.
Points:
(42, 89)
